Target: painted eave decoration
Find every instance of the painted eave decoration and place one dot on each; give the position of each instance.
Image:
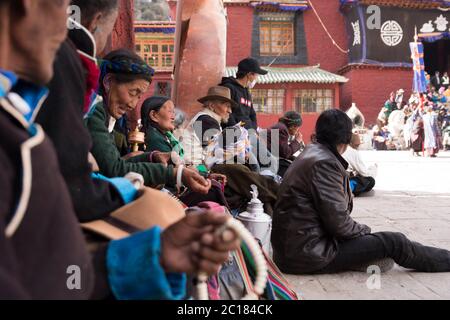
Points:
(167, 27)
(283, 5)
(312, 74)
(412, 4)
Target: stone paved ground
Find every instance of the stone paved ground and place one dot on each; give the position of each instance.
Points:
(412, 196)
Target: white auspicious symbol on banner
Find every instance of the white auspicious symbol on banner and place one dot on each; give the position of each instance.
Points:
(427, 27)
(357, 33)
(391, 33)
(441, 23)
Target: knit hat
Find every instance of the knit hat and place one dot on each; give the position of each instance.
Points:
(292, 118)
(124, 63)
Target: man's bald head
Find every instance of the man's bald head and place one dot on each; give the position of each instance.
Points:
(356, 141)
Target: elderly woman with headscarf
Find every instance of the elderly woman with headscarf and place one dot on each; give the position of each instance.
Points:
(288, 126)
(124, 79)
(158, 122)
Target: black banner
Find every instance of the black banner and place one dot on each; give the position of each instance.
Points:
(382, 34)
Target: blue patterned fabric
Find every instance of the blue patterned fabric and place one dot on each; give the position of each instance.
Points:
(135, 273)
(154, 30)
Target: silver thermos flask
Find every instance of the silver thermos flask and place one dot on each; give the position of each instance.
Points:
(256, 220)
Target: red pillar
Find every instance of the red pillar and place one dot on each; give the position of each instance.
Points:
(200, 51)
(123, 37)
(123, 33)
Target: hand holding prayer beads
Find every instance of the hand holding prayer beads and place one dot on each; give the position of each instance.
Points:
(260, 262)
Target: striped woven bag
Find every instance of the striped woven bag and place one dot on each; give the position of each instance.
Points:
(278, 288)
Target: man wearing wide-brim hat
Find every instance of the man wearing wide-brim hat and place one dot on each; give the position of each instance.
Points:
(204, 126)
(217, 107)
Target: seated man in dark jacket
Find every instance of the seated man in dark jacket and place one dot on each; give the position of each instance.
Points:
(312, 228)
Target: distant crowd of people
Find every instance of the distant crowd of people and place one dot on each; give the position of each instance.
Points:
(421, 124)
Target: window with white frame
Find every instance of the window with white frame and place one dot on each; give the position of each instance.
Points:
(313, 100)
(268, 100)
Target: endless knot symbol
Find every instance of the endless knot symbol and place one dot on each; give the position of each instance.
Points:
(391, 33)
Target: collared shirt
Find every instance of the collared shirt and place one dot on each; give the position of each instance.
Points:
(7, 81)
(111, 124)
(26, 97)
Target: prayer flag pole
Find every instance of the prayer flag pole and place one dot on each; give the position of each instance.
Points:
(417, 56)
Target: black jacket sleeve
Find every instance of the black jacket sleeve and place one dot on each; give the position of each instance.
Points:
(61, 116)
(329, 198)
(232, 119)
(254, 124)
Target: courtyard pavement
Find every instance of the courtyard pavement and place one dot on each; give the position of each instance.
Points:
(412, 196)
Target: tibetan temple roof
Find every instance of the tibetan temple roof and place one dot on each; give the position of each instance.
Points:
(413, 4)
(288, 75)
(284, 5)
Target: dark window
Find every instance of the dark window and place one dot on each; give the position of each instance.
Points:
(163, 89)
(279, 38)
(276, 38)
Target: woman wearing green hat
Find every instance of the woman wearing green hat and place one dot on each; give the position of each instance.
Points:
(286, 138)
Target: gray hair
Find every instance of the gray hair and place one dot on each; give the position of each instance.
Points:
(180, 118)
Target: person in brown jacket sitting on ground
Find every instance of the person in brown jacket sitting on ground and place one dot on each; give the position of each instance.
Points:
(313, 231)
